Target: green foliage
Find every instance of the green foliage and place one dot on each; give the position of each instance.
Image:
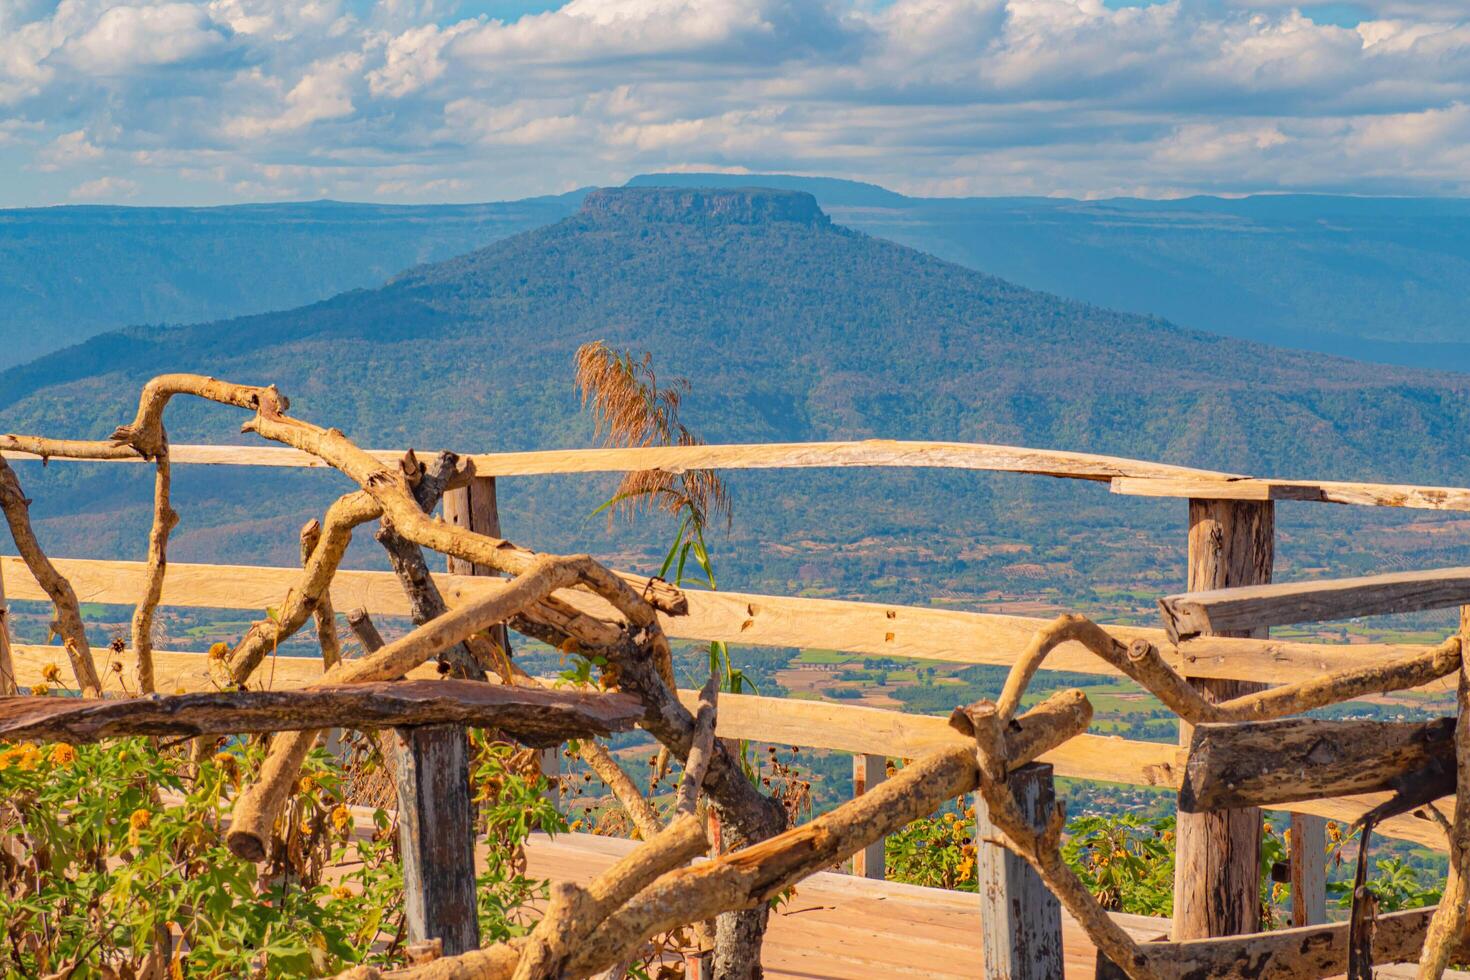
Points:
(1127, 863)
(937, 851)
(106, 849)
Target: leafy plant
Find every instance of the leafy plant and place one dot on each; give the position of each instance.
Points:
(1126, 862)
(113, 863)
(938, 851)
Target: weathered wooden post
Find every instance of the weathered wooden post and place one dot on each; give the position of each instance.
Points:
(1308, 870)
(867, 772)
(1217, 861)
(436, 829)
(1020, 919)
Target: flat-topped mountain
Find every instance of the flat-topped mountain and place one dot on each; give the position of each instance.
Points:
(791, 328)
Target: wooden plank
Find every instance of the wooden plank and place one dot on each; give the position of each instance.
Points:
(534, 716)
(1308, 870)
(1318, 491)
(1126, 476)
(792, 455)
(1256, 606)
(1020, 918)
(1217, 854)
(782, 721)
(854, 627)
(436, 836)
(867, 772)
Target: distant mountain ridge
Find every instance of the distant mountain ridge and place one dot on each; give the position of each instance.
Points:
(1383, 279)
(790, 328)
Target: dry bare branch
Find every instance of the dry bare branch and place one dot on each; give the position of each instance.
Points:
(68, 624)
(322, 612)
(165, 519)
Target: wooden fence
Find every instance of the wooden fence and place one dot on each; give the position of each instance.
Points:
(1231, 543)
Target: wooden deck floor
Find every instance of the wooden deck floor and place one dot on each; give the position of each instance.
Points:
(839, 927)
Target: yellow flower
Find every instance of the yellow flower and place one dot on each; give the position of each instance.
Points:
(218, 651)
(23, 757)
(40, 690)
(342, 892)
(63, 755)
(341, 817)
(137, 822)
(305, 785)
(51, 672)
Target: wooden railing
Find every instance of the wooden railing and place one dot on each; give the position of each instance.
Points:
(900, 631)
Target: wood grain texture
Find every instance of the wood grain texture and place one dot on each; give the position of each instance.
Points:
(1291, 954)
(1126, 476)
(1320, 491)
(535, 716)
(435, 834)
(868, 771)
(1259, 606)
(1217, 854)
(1308, 870)
(675, 459)
(1267, 763)
(1020, 918)
(816, 724)
(855, 627)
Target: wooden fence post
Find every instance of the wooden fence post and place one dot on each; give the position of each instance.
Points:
(436, 832)
(1308, 870)
(8, 683)
(867, 772)
(1217, 862)
(1020, 919)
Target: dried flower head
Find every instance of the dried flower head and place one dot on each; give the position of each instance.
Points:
(630, 409)
(51, 672)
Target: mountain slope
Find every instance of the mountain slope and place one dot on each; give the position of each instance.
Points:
(791, 327)
(67, 273)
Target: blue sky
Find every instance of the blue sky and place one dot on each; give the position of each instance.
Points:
(221, 101)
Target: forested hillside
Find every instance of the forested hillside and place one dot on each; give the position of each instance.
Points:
(790, 327)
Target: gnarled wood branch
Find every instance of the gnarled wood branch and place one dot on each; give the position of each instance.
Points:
(165, 519)
(322, 611)
(68, 623)
(534, 716)
(266, 635)
(256, 808)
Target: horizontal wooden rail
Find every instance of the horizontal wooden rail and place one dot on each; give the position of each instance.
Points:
(755, 456)
(1126, 476)
(868, 628)
(810, 724)
(1251, 607)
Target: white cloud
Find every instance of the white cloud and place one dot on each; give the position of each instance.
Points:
(272, 98)
(323, 92)
(124, 38)
(104, 189)
(67, 150)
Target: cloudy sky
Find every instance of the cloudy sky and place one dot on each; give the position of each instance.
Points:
(432, 100)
